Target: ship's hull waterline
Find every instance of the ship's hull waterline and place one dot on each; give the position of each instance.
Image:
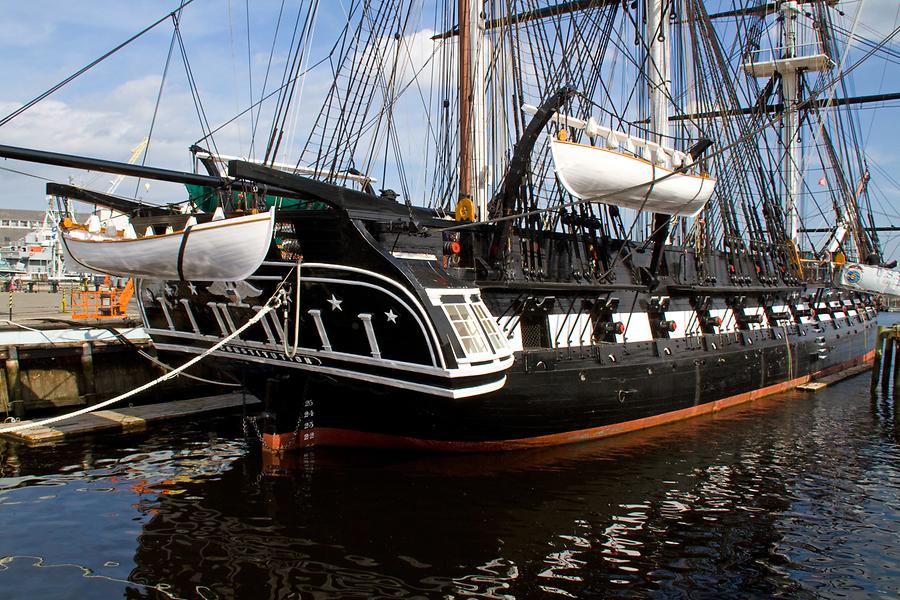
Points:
(627, 420)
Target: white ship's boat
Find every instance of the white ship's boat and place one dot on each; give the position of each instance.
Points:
(868, 278)
(219, 250)
(628, 181)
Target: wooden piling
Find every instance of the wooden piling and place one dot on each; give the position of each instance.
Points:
(52, 368)
(876, 364)
(896, 368)
(87, 369)
(887, 360)
(12, 382)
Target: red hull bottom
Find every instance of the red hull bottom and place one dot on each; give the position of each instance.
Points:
(327, 436)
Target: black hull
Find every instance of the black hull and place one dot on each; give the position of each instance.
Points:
(566, 400)
(382, 355)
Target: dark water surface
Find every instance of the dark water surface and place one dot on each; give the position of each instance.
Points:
(794, 496)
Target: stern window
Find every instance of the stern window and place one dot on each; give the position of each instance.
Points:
(466, 329)
(490, 327)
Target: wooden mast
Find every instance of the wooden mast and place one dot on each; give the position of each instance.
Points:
(789, 60)
(473, 168)
(658, 61)
(465, 99)
(659, 83)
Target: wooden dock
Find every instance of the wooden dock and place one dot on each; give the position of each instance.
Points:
(130, 419)
(824, 382)
(57, 365)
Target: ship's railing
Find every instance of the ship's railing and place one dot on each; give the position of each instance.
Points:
(778, 52)
(812, 270)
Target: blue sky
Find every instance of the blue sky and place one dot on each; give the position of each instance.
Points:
(107, 111)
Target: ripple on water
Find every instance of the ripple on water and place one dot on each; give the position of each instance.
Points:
(795, 496)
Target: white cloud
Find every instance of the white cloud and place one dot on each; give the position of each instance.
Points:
(18, 34)
(54, 125)
(107, 126)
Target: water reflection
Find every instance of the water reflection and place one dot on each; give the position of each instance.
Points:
(685, 508)
(792, 496)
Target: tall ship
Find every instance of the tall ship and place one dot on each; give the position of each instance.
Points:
(609, 215)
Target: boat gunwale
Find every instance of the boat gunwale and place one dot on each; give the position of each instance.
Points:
(198, 228)
(702, 176)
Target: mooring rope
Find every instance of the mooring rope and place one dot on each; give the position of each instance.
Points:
(274, 302)
(163, 365)
(118, 335)
(122, 338)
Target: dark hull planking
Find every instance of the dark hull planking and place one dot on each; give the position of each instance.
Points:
(562, 401)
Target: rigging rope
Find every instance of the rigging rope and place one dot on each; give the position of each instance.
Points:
(89, 66)
(159, 93)
(262, 92)
(195, 91)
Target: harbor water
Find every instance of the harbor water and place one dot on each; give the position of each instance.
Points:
(796, 496)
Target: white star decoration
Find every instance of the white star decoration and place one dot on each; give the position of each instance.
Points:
(335, 303)
(193, 288)
(391, 317)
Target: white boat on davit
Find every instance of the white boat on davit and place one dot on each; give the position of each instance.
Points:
(628, 181)
(226, 249)
(627, 171)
